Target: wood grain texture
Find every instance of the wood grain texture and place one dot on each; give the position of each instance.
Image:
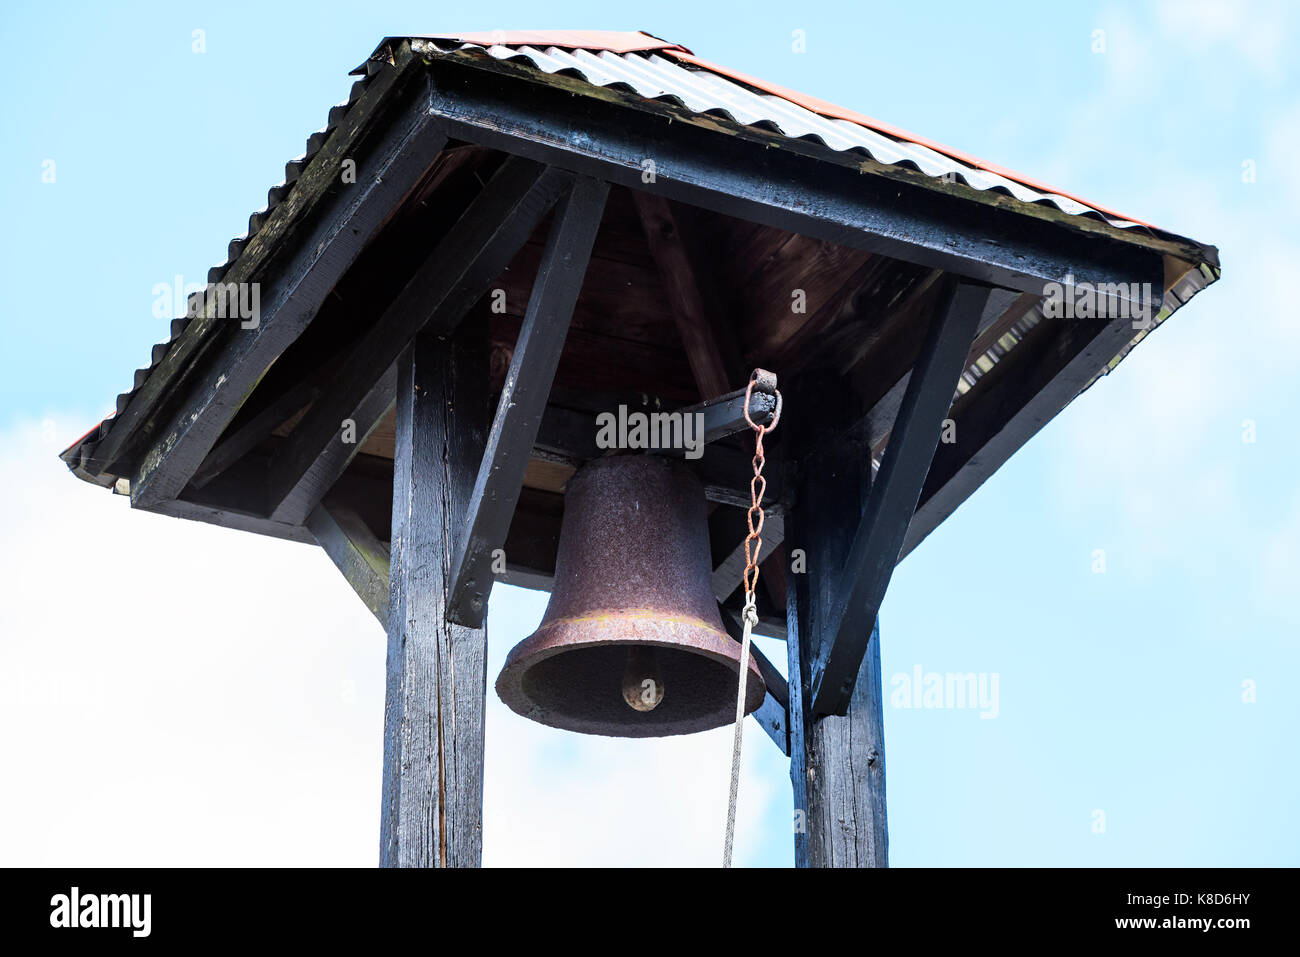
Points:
(837, 763)
(712, 353)
(870, 562)
(522, 403)
(457, 272)
(432, 811)
(356, 552)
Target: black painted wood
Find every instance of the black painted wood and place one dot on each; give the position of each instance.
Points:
(289, 300)
(432, 812)
(457, 273)
(779, 187)
(725, 415)
(879, 537)
(1004, 410)
(837, 762)
(523, 396)
(356, 552)
(724, 471)
(319, 477)
(247, 437)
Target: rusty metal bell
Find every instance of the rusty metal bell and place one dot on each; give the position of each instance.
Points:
(631, 644)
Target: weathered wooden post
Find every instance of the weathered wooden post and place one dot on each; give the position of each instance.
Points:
(837, 762)
(432, 812)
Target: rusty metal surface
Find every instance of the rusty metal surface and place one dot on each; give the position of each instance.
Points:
(633, 570)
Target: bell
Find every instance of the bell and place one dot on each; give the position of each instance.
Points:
(631, 644)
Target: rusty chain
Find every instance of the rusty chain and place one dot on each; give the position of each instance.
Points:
(757, 487)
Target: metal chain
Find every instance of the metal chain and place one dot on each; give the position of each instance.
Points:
(753, 547)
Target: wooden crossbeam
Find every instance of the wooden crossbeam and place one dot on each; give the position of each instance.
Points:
(725, 415)
(1006, 408)
(875, 428)
(322, 472)
(889, 507)
(357, 553)
(710, 350)
(730, 174)
(455, 275)
(243, 440)
(287, 303)
(725, 472)
(523, 397)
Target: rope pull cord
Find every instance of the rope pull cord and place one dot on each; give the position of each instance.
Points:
(753, 547)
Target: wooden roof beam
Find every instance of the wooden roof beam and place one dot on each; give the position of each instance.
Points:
(777, 187)
(355, 551)
(523, 399)
(710, 346)
(893, 496)
(457, 273)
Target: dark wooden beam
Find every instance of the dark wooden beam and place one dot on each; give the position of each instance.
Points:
(248, 436)
(288, 300)
(879, 537)
(523, 397)
(1009, 405)
(875, 427)
(710, 350)
(837, 762)
(725, 415)
(356, 552)
(319, 477)
(231, 518)
(433, 714)
(920, 222)
(457, 273)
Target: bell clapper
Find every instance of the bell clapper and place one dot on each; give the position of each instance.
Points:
(643, 682)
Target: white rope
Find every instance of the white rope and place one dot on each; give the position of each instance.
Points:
(750, 615)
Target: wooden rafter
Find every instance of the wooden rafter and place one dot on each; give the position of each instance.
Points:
(879, 536)
(523, 399)
(455, 275)
(710, 347)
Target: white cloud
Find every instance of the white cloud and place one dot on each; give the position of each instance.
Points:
(172, 693)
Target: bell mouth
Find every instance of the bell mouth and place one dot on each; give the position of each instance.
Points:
(568, 674)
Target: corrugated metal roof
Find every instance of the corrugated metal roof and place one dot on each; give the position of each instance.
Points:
(660, 70)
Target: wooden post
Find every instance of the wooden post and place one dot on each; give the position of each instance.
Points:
(432, 813)
(837, 762)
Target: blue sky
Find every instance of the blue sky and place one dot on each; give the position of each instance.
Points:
(1120, 692)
